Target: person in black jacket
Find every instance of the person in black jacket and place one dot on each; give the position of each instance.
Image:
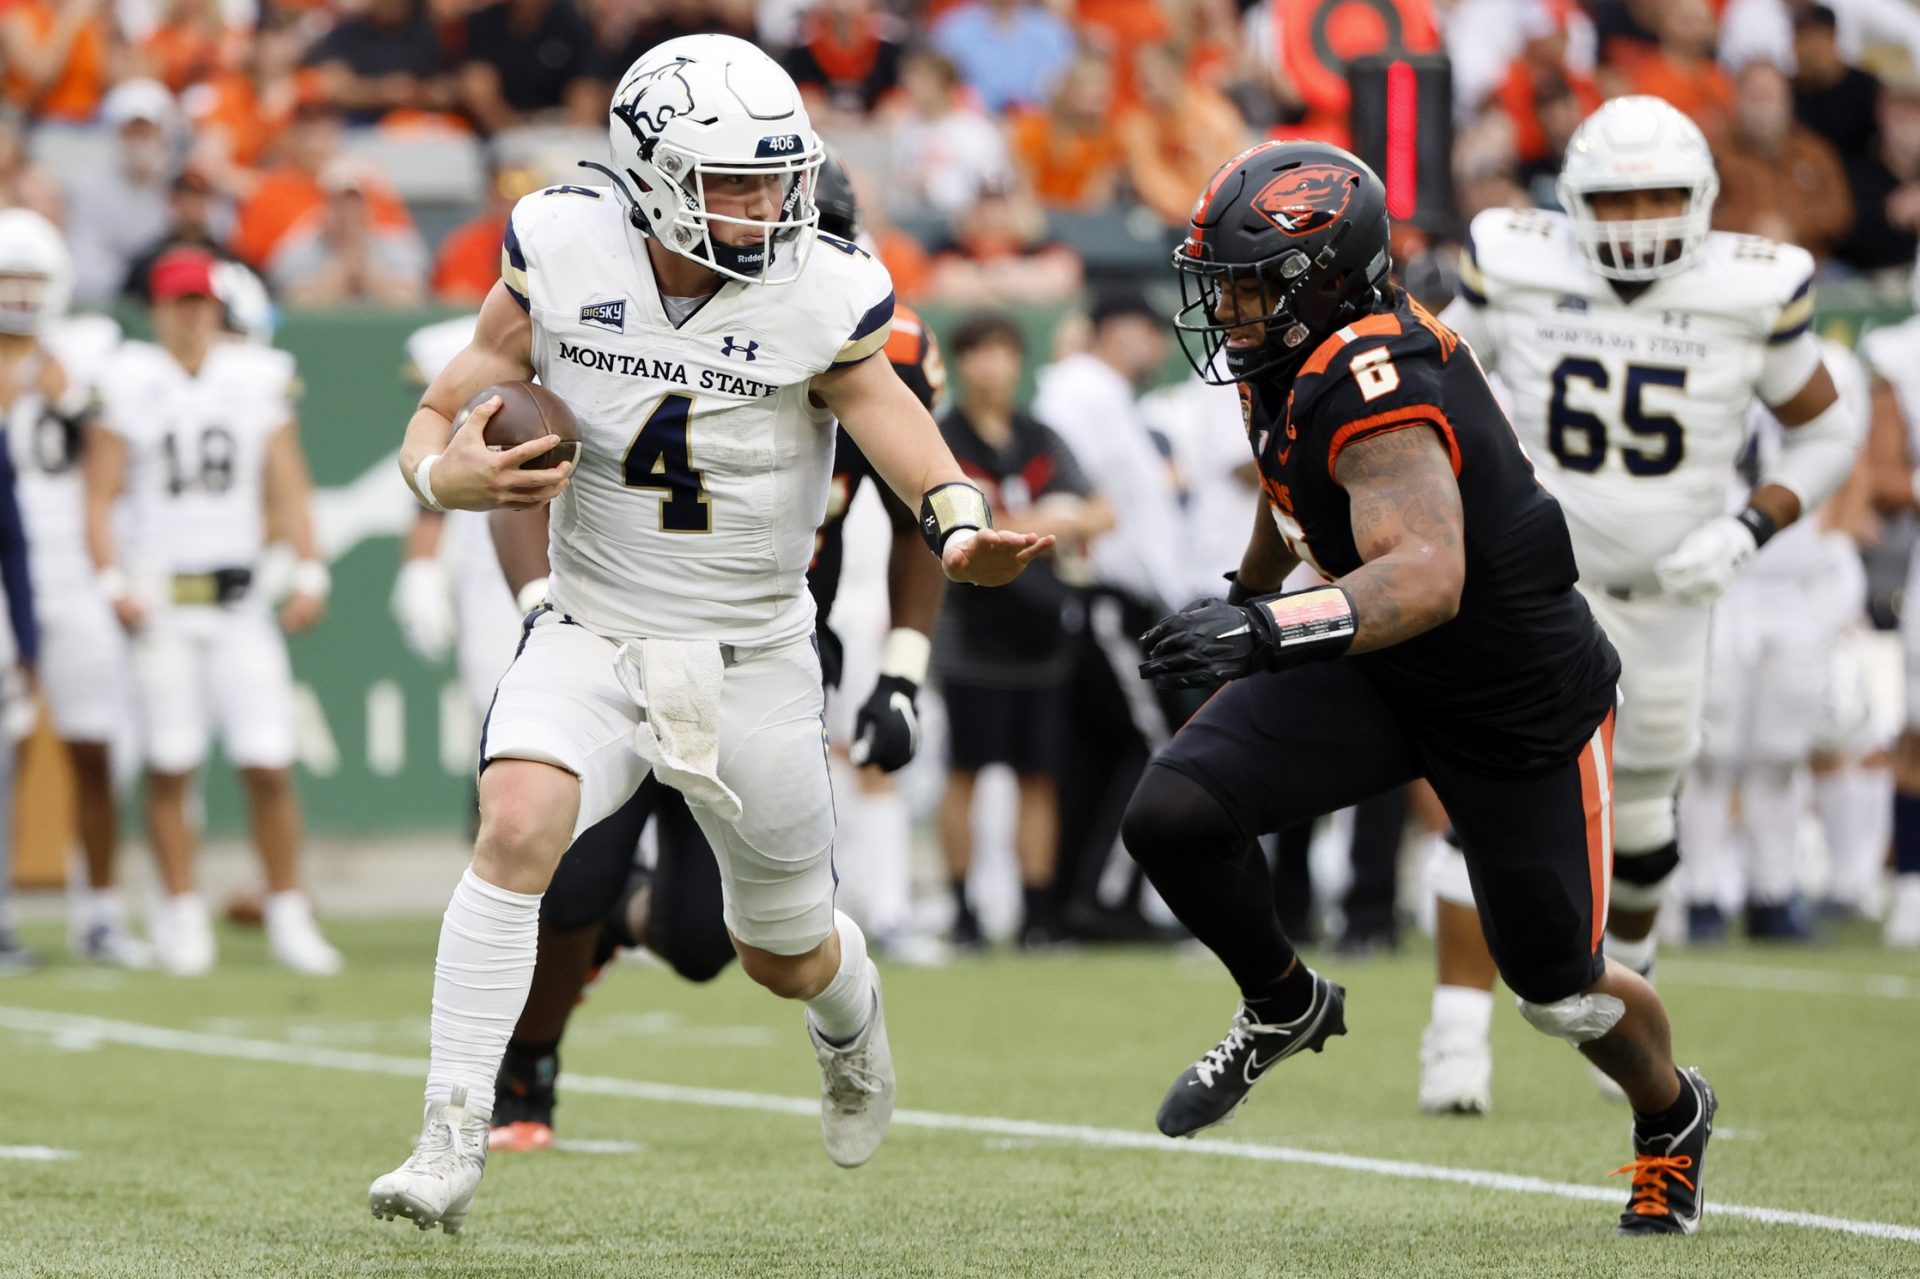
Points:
(1004, 655)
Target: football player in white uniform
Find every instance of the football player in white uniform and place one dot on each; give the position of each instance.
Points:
(1775, 684)
(197, 431)
(706, 342)
(1633, 341)
(49, 364)
(1893, 353)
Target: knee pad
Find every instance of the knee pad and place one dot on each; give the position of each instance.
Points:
(1578, 1019)
(1641, 822)
(1446, 872)
(1640, 879)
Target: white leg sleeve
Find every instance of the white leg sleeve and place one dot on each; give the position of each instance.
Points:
(1773, 800)
(488, 940)
(1706, 828)
(1856, 808)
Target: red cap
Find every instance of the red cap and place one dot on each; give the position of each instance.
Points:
(180, 273)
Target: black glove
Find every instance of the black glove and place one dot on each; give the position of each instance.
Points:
(886, 732)
(1209, 642)
(826, 642)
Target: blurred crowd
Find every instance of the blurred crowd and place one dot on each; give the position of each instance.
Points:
(999, 143)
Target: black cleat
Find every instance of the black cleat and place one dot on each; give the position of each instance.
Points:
(1668, 1198)
(523, 1100)
(1210, 1090)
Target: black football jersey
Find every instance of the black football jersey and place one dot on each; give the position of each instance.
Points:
(915, 356)
(1522, 675)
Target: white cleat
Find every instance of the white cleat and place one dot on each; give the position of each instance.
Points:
(1903, 913)
(183, 936)
(294, 940)
(1456, 1071)
(110, 942)
(435, 1186)
(856, 1087)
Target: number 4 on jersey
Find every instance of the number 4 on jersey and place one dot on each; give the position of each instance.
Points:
(657, 459)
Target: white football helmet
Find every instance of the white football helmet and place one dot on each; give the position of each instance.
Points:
(703, 106)
(1639, 143)
(249, 309)
(36, 272)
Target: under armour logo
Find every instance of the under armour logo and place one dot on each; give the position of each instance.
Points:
(730, 347)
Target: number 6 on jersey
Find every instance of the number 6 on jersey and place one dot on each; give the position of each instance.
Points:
(657, 459)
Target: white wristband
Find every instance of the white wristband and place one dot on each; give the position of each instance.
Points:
(531, 596)
(311, 577)
(423, 482)
(113, 583)
(905, 655)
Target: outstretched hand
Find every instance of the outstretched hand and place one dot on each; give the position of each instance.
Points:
(990, 557)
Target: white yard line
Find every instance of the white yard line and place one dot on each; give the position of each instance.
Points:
(1792, 981)
(37, 1154)
(165, 1039)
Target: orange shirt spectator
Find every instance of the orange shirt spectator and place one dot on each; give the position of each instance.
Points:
(1070, 154)
(1683, 71)
(1176, 137)
(1123, 29)
(1779, 178)
(469, 259)
(292, 197)
(55, 57)
(193, 43)
(907, 261)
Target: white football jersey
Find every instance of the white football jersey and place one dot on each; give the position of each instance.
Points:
(705, 465)
(44, 441)
(196, 452)
(1634, 413)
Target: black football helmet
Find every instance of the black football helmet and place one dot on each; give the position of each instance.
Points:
(833, 196)
(1307, 219)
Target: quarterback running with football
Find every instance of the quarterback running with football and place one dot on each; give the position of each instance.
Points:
(706, 337)
(1635, 341)
(1447, 642)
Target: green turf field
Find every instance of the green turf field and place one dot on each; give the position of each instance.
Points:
(229, 1127)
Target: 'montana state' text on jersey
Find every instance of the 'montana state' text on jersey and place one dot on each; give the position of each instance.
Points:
(196, 452)
(1634, 412)
(915, 356)
(1522, 675)
(45, 435)
(704, 467)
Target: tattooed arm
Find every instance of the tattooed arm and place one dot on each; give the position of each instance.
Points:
(1268, 559)
(1408, 526)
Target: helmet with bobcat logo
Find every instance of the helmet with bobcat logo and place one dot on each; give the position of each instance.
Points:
(1306, 219)
(706, 106)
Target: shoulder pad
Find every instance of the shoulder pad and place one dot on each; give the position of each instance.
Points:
(846, 292)
(1510, 249)
(1763, 282)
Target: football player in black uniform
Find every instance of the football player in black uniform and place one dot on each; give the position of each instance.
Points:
(600, 900)
(1447, 643)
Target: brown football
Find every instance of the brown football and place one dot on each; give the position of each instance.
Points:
(528, 412)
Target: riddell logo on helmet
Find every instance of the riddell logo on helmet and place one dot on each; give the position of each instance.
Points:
(1302, 201)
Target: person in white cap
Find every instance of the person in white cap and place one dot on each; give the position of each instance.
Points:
(115, 215)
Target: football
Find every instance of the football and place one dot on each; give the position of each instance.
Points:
(527, 412)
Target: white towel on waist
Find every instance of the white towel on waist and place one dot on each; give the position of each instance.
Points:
(676, 683)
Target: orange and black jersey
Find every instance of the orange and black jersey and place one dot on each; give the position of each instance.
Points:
(915, 356)
(1520, 677)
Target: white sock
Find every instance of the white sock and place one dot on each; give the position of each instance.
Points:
(488, 941)
(104, 906)
(890, 826)
(279, 906)
(1707, 833)
(1773, 800)
(1464, 1008)
(840, 1012)
(1856, 808)
(1637, 955)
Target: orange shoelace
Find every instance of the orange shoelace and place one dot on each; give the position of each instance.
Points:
(1650, 1173)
